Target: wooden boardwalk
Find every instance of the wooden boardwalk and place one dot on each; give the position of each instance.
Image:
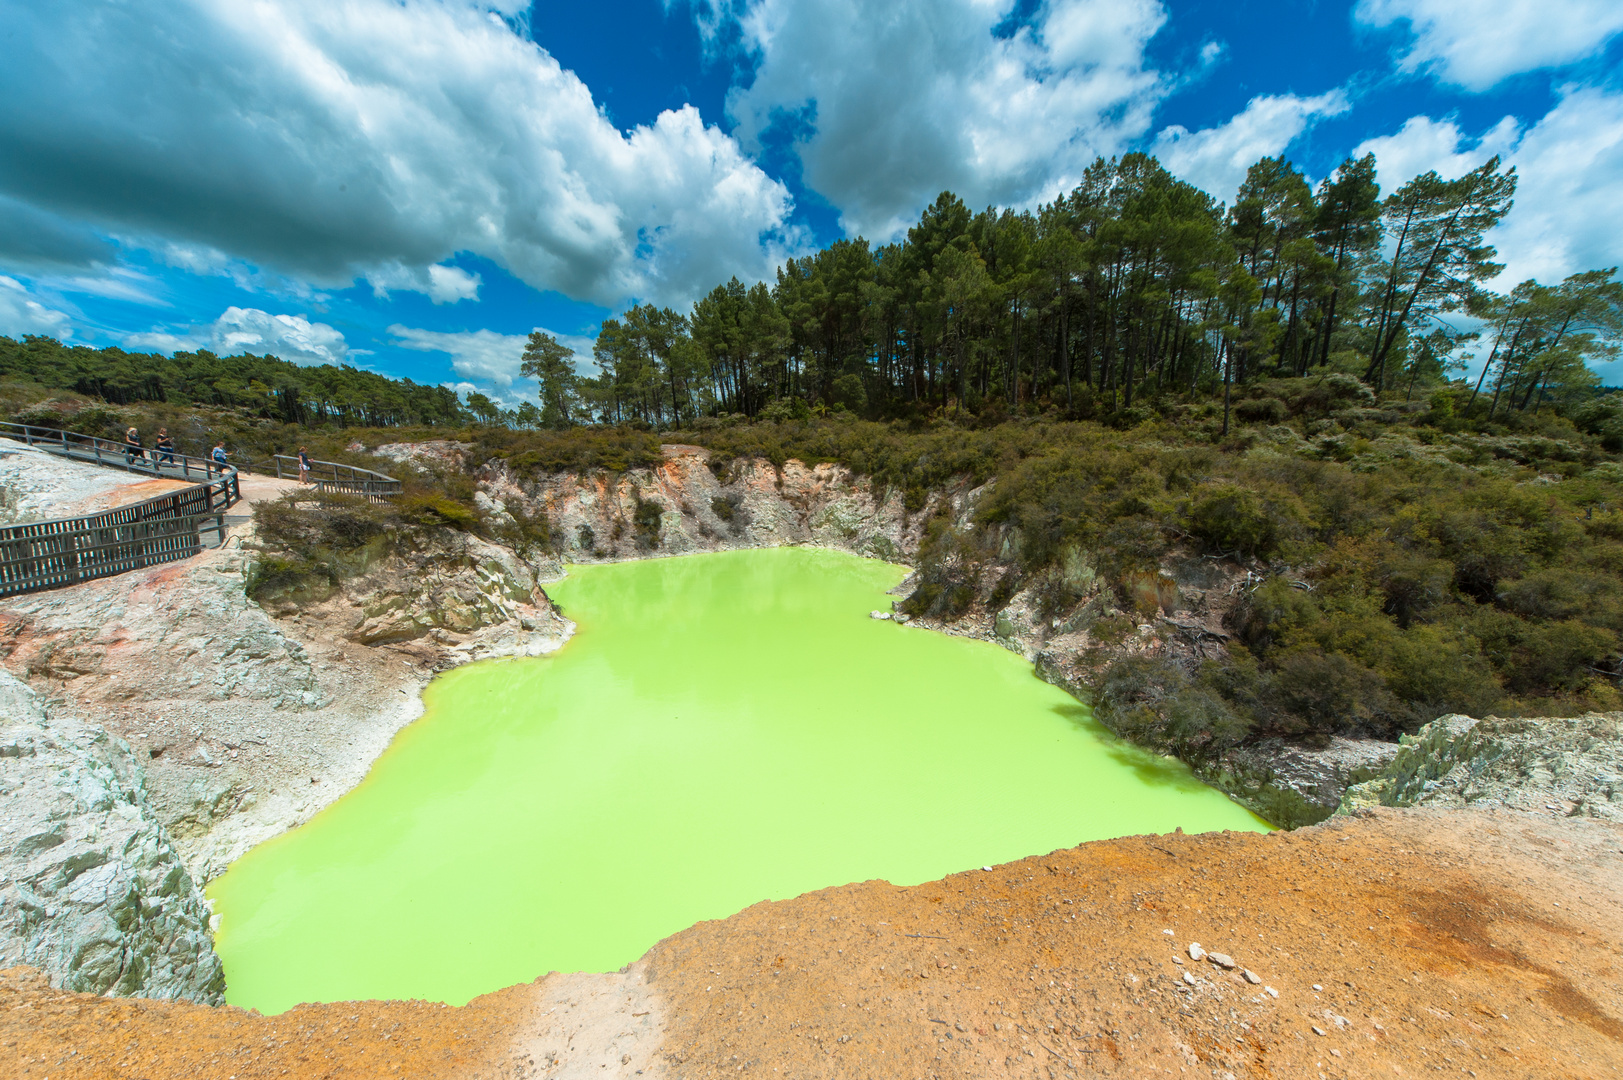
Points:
(65, 551)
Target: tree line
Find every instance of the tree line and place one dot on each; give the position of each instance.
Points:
(260, 385)
(1134, 284)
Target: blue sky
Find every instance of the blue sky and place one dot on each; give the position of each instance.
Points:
(413, 185)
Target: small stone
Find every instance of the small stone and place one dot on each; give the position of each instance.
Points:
(1316, 986)
(1270, 991)
(1222, 960)
(1318, 1030)
(1251, 977)
(883, 616)
(1168, 933)
(1177, 959)
(1196, 952)
(1188, 978)
(988, 869)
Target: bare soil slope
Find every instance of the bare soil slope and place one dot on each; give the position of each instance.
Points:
(1399, 943)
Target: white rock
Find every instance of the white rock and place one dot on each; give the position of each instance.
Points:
(1196, 952)
(1270, 991)
(883, 616)
(1222, 960)
(93, 894)
(1318, 1030)
(1251, 977)
(1188, 978)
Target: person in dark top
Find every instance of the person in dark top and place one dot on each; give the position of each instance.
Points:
(132, 447)
(304, 466)
(163, 449)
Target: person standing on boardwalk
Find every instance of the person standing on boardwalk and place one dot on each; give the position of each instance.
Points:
(132, 447)
(163, 449)
(218, 454)
(304, 466)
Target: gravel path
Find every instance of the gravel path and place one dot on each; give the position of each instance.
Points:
(37, 486)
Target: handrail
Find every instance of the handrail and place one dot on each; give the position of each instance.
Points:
(63, 551)
(336, 476)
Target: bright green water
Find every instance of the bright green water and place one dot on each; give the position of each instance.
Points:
(723, 729)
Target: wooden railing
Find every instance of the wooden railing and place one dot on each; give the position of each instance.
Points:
(333, 476)
(64, 551)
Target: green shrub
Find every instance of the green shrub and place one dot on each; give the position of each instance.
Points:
(1231, 518)
(1268, 410)
(646, 521)
(1156, 703)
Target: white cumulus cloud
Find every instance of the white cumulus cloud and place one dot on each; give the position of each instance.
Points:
(291, 337)
(1567, 216)
(1477, 44)
(21, 314)
(441, 284)
(483, 354)
(1215, 159)
(890, 103)
(335, 140)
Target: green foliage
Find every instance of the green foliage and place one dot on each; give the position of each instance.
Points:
(646, 520)
(259, 386)
(1253, 521)
(312, 542)
(1158, 704)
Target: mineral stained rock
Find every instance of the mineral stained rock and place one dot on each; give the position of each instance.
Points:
(1571, 766)
(91, 890)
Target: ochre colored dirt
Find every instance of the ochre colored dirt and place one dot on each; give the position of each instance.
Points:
(1460, 942)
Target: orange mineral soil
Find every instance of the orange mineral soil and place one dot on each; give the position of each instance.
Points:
(1402, 943)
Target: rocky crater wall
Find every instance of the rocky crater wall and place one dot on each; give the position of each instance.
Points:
(92, 888)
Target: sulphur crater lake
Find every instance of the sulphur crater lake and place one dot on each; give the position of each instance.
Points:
(722, 729)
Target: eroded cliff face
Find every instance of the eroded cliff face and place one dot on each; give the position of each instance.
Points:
(691, 503)
(92, 889)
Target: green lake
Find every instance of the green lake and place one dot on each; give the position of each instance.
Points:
(722, 729)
